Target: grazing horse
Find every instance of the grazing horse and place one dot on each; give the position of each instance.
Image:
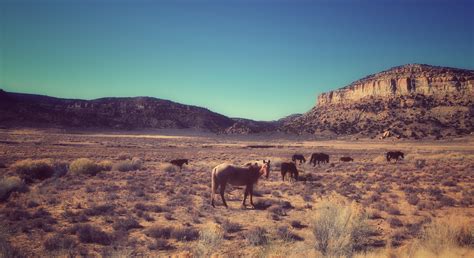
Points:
(179, 163)
(396, 155)
(346, 159)
(234, 175)
(319, 158)
(289, 167)
(298, 157)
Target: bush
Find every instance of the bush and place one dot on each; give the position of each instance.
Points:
(84, 166)
(105, 165)
(126, 224)
(123, 156)
(105, 209)
(210, 239)
(92, 234)
(128, 165)
(231, 227)
(340, 230)
(443, 234)
(413, 199)
(285, 233)
(159, 232)
(447, 201)
(31, 170)
(59, 242)
(9, 185)
(257, 236)
(160, 244)
(7, 250)
(185, 234)
(169, 168)
(395, 222)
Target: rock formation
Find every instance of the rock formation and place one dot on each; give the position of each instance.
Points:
(407, 101)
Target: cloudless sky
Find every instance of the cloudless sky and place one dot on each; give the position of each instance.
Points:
(255, 59)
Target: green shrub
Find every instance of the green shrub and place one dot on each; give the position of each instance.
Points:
(31, 170)
(9, 185)
(84, 166)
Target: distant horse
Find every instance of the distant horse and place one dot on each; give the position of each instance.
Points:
(179, 163)
(396, 155)
(319, 158)
(234, 175)
(346, 159)
(289, 167)
(298, 157)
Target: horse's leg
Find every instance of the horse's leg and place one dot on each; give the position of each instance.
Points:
(283, 176)
(222, 193)
(245, 196)
(251, 195)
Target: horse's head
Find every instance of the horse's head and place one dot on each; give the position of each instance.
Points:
(265, 168)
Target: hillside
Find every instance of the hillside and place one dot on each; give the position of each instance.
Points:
(111, 113)
(413, 101)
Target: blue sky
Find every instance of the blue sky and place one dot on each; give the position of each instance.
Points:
(255, 59)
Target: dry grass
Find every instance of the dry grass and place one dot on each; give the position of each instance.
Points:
(84, 166)
(9, 185)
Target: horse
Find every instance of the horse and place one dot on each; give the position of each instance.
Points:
(319, 158)
(346, 159)
(239, 176)
(289, 167)
(179, 163)
(395, 155)
(298, 157)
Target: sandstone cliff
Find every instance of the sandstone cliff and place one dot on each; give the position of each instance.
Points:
(409, 101)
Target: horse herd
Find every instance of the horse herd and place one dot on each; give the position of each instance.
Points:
(249, 174)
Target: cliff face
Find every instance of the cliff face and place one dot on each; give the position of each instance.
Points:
(408, 101)
(430, 81)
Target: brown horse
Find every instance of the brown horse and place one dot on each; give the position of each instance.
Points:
(319, 158)
(289, 167)
(234, 175)
(179, 163)
(396, 155)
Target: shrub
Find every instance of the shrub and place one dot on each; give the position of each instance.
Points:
(59, 241)
(257, 236)
(231, 227)
(393, 211)
(210, 239)
(297, 224)
(447, 201)
(160, 244)
(340, 230)
(169, 168)
(126, 224)
(413, 199)
(123, 156)
(443, 234)
(285, 233)
(159, 232)
(105, 209)
(84, 166)
(7, 250)
(128, 165)
(92, 234)
(395, 222)
(105, 165)
(31, 170)
(185, 234)
(9, 185)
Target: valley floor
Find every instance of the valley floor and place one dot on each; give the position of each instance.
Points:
(157, 210)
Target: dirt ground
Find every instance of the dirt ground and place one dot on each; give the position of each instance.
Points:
(435, 180)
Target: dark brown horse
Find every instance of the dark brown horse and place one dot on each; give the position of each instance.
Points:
(179, 163)
(346, 159)
(319, 158)
(298, 157)
(234, 175)
(396, 155)
(289, 167)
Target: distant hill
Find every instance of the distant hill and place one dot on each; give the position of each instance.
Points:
(409, 101)
(113, 113)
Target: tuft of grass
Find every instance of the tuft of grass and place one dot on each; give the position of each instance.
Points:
(92, 234)
(128, 165)
(169, 168)
(257, 236)
(31, 170)
(59, 242)
(84, 166)
(441, 234)
(231, 227)
(340, 229)
(9, 185)
(126, 224)
(105, 165)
